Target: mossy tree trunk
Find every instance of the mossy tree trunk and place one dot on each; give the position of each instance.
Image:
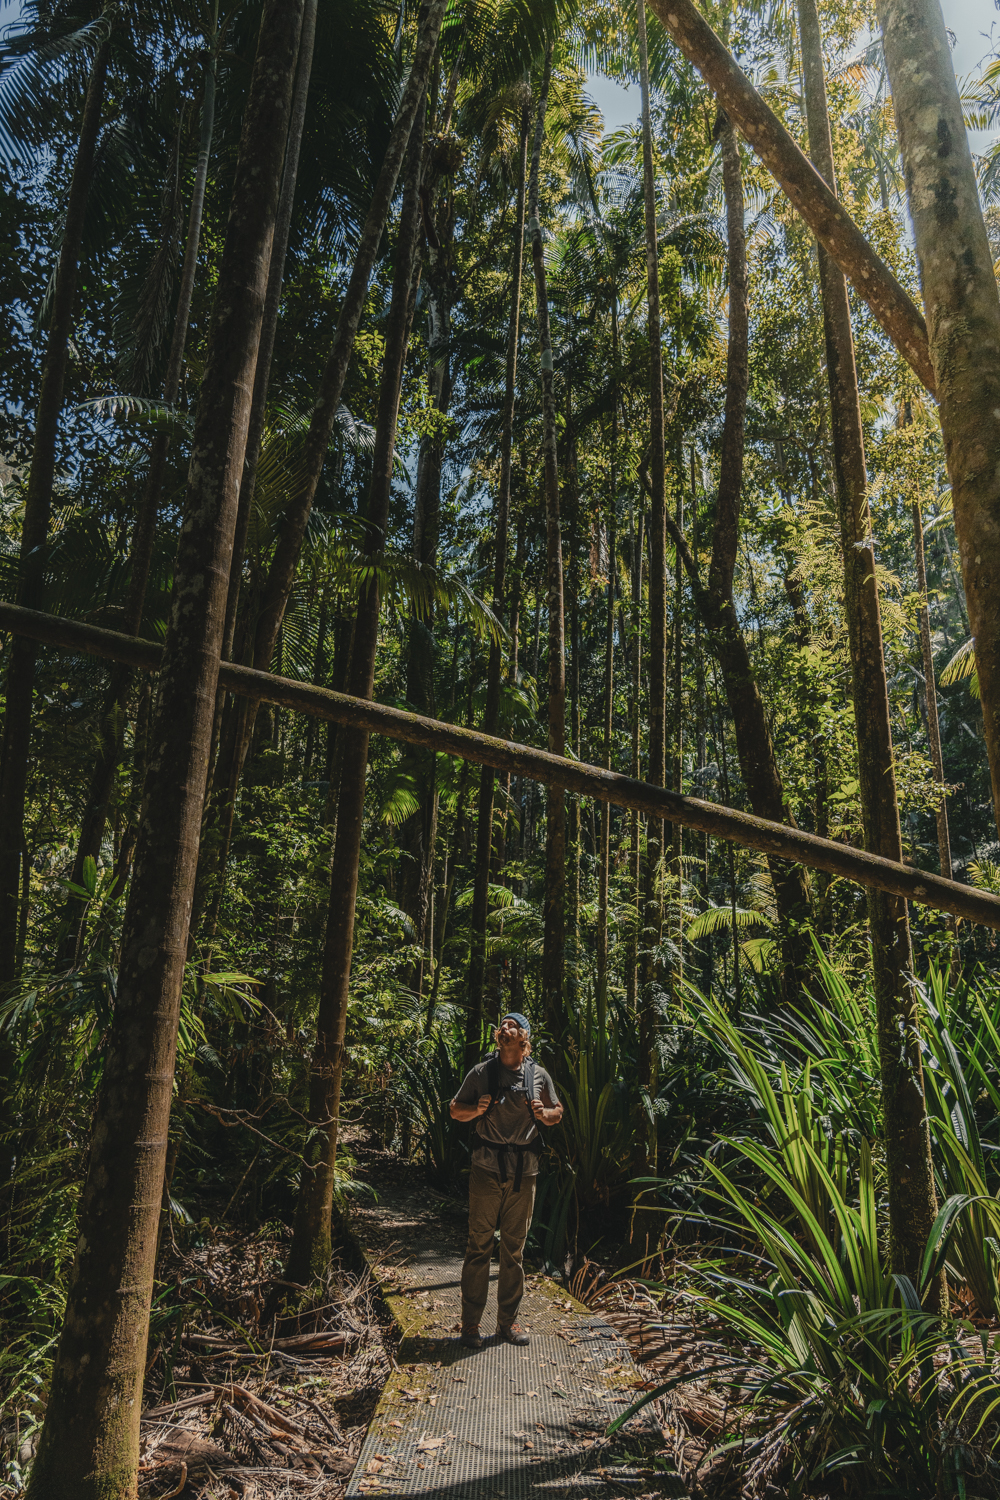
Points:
(963, 315)
(90, 1442)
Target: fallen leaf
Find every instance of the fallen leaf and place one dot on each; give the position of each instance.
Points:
(395, 1423)
(528, 1444)
(428, 1445)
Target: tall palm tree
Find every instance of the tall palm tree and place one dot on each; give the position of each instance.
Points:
(90, 1441)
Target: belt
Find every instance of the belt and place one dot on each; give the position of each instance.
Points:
(499, 1148)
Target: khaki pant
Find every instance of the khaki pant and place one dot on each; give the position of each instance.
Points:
(495, 1205)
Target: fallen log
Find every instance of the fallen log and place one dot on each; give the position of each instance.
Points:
(805, 189)
(538, 765)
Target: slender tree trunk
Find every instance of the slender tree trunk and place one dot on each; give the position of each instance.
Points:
(90, 1442)
(963, 315)
(635, 854)
(909, 1169)
(604, 857)
(310, 1250)
(677, 839)
(491, 718)
(554, 950)
(418, 835)
(930, 696)
(113, 715)
(657, 764)
(715, 601)
(35, 528)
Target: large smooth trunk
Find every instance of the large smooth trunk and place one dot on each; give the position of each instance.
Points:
(90, 1442)
(143, 537)
(963, 315)
(491, 716)
(554, 938)
(310, 1250)
(909, 1169)
(20, 684)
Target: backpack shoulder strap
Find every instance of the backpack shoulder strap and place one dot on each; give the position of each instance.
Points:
(529, 1077)
(492, 1080)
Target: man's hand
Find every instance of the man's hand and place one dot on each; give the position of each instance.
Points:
(466, 1112)
(544, 1115)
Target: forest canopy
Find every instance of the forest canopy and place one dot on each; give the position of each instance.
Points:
(347, 349)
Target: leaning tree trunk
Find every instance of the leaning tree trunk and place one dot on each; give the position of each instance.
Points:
(715, 600)
(963, 315)
(656, 769)
(892, 308)
(35, 528)
(90, 1442)
(909, 1169)
(554, 940)
(143, 537)
(310, 1250)
(491, 716)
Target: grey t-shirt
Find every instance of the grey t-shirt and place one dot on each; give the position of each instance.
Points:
(510, 1119)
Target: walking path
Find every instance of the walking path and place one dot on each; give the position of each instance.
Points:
(500, 1423)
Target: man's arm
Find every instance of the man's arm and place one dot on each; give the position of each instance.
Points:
(547, 1111)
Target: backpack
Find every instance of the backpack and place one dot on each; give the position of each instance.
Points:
(537, 1146)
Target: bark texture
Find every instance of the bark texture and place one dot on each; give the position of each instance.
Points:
(909, 1169)
(90, 1442)
(310, 1251)
(963, 315)
(800, 181)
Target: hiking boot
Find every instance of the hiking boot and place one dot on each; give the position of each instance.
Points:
(514, 1334)
(472, 1338)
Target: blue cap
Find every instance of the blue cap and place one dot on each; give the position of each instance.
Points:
(522, 1021)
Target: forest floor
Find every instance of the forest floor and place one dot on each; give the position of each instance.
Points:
(365, 1390)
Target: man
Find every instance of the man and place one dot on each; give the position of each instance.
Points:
(504, 1168)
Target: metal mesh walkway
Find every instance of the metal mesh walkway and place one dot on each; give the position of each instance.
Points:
(500, 1423)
